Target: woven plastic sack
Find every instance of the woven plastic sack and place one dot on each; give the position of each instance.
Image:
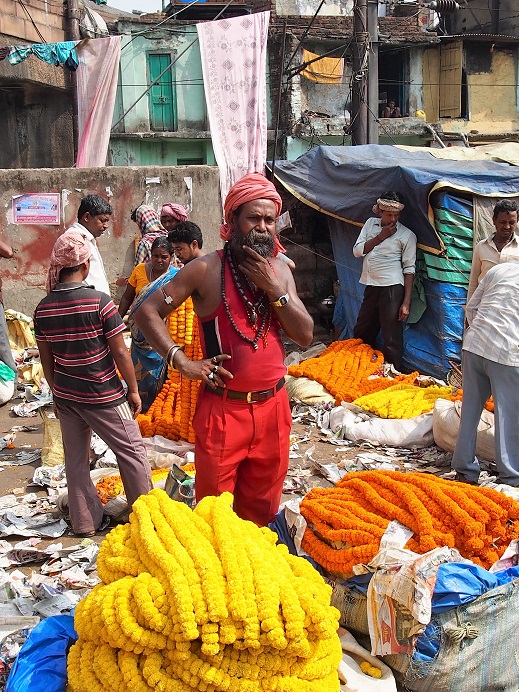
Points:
(307, 391)
(357, 426)
(446, 423)
(487, 663)
(52, 453)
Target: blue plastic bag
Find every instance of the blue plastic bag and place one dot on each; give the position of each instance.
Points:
(41, 665)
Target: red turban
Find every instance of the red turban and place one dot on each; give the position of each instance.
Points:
(252, 186)
(177, 211)
(70, 250)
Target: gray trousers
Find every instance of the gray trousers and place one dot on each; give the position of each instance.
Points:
(121, 433)
(481, 378)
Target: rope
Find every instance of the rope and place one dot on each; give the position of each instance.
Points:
(457, 634)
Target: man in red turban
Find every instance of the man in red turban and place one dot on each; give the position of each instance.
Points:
(243, 296)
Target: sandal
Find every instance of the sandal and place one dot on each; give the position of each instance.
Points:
(88, 534)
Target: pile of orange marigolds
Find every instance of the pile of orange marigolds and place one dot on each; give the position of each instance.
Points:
(346, 523)
(350, 370)
(171, 414)
(344, 369)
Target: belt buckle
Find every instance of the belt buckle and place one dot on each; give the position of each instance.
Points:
(249, 397)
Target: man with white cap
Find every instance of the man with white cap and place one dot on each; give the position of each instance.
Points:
(389, 251)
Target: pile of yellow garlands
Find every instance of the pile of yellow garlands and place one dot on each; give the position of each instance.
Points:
(171, 414)
(202, 600)
(112, 486)
(346, 523)
(403, 400)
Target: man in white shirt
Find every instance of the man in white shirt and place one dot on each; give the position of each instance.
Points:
(500, 246)
(491, 366)
(94, 215)
(389, 251)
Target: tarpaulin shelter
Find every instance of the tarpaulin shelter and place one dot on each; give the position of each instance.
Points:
(447, 206)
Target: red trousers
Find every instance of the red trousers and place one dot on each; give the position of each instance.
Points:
(243, 449)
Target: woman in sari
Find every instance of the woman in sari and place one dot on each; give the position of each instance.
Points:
(150, 368)
(148, 221)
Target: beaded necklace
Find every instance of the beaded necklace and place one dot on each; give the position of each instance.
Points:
(259, 307)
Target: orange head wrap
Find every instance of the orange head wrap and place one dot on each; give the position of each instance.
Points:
(252, 186)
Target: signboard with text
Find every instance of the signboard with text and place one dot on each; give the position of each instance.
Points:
(36, 208)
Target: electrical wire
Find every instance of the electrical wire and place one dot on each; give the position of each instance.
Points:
(32, 21)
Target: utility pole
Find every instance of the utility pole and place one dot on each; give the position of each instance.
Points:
(75, 35)
(360, 46)
(372, 16)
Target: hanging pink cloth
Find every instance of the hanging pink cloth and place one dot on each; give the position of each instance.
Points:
(97, 76)
(234, 53)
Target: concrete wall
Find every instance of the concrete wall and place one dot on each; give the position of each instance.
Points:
(476, 17)
(48, 18)
(24, 276)
(307, 8)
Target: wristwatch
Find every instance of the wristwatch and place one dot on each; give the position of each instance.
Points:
(282, 300)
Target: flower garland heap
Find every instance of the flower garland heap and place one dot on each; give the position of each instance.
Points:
(202, 600)
(344, 368)
(112, 486)
(403, 400)
(171, 414)
(346, 523)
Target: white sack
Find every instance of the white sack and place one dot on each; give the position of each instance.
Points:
(446, 423)
(358, 426)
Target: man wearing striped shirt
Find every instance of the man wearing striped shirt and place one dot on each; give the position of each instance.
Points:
(79, 336)
(491, 366)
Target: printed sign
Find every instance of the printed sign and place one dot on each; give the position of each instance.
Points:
(39, 208)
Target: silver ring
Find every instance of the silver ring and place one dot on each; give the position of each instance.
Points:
(210, 376)
(215, 370)
(214, 360)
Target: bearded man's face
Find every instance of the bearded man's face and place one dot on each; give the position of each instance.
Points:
(253, 225)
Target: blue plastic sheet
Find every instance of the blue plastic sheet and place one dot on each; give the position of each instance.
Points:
(457, 583)
(41, 665)
(345, 181)
(279, 525)
(433, 340)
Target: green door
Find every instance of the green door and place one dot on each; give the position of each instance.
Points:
(162, 95)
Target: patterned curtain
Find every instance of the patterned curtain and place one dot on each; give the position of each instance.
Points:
(234, 55)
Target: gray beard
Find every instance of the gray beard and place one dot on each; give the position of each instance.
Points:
(262, 243)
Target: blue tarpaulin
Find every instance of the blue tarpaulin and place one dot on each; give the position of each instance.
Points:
(346, 181)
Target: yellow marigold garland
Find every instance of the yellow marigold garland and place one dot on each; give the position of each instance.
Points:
(171, 414)
(202, 600)
(403, 400)
(345, 523)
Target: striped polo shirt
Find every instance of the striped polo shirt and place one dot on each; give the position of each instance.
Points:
(76, 321)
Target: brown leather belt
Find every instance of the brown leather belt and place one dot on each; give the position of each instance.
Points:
(249, 397)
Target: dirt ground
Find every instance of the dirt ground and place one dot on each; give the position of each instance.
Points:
(17, 479)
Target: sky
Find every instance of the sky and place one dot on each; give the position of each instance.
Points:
(143, 5)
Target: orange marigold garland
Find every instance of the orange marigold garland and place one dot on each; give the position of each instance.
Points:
(345, 523)
(171, 414)
(489, 405)
(344, 369)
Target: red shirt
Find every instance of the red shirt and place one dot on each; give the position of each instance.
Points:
(253, 370)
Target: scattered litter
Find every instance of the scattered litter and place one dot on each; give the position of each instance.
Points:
(21, 458)
(7, 440)
(295, 484)
(52, 476)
